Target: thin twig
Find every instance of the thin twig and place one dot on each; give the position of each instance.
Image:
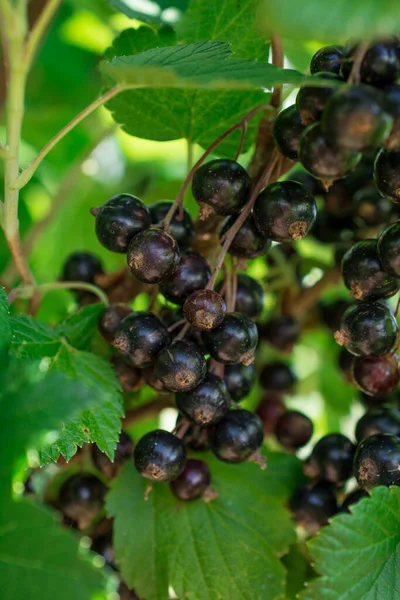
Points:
(234, 281)
(277, 60)
(242, 138)
(359, 56)
(38, 31)
(27, 291)
(176, 325)
(182, 333)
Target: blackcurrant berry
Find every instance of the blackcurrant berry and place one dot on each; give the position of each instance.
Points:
(129, 377)
(345, 363)
(323, 160)
(380, 65)
(192, 274)
(376, 376)
(277, 376)
(153, 255)
(237, 436)
(248, 242)
(195, 436)
(368, 329)
(182, 230)
(239, 380)
(287, 130)
(311, 100)
(103, 545)
(354, 118)
(205, 404)
(269, 410)
(119, 220)
(249, 296)
(387, 174)
(152, 380)
(223, 184)
(370, 209)
(160, 456)
(352, 498)
(233, 341)
(313, 505)
(285, 211)
(363, 273)
(181, 366)
(293, 430)
(81, 497)
(377, 461)
(111, 319)
(374, 401)
(389, 249)
(193, 481)
(82, 266)
(281, 332)
(331, 314)
(382, 419)
(331, 459)
(139, 337)
(392, 106)
(123, 452)
(205, 309)
(327, 59)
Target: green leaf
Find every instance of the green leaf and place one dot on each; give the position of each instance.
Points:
(32, 339)
(332, 22)
(135, 9)
(230, 544)
(5, 327)
(80, 328)
(358, 554)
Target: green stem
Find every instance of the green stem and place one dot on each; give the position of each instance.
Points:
(27, 291)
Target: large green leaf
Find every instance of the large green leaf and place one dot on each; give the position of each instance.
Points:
(226, 548)
(80, 327)
(358, 554)
(159, 11)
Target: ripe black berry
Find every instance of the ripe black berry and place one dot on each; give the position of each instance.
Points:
(345, 363)
(392, 105)
(248, 242)
(327, 59)
(376, 376)
(193, 481)
(81, 497)
(123, 452)
(103, 545)
(323, 160)
(191, 274)
(129, 377)
(387, 174)
(354, 118)
(281, 332)
(182, 230)
(152, 380)
(205, 309)
(111, 319)
(363, 274)
(368, 329)
(377, 461)
(352, 499)
(380, 65)
(160, 456)
(313, 505)
(237, 436)
(139, 337)
(293, 430)
(311, 100)
(82, 266)
(205, 404)
(277, 376)
(223, 184)
(181, 366)
(269, 410)
(287, 130)
(239, 380)
(331, 314)
(331, 459)
(249, 296)
(382, 419)
(195, 436)
(233, 341)
(389, 249)
(153, 255)
(285, 211)
(370, 209)
(119, 220)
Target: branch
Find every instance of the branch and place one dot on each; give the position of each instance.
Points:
(27, 291)
(38, 31)
(277, 60)
(307, 298)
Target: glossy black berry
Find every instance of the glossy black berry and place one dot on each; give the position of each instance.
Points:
(123, 452)
(368, 329)
(327, 59)
(311, 100)
(181, 366)
(285, 211)
(160, 456)
(233, 341)
(331, 314)
(193, 481)
(377, 461)
(392, 105)
(352, 498)
(239, 380)
(182, 230)
(103, 545)
(248, 242)
(277, 376)
(152, 380)
(191, 274)
(293, 430)
(81, 497)
(205, 309)
(354, 118)
(237, 436)
(380, 65)
(382, 419)
(287, 129)
(249, 296)
(129, 377)
(223, 184)
(376, 376)
(281, 332)
(205, 404)
(313, 505)
(331, 459)
(139, 337)
(387, 174)
(82, 266)
(364, 275)
(389, 249)
(269, 410)
(345, 364)
(153, 255)
(111, 319)
(323, 160)
(119, 220)
(370, 209)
